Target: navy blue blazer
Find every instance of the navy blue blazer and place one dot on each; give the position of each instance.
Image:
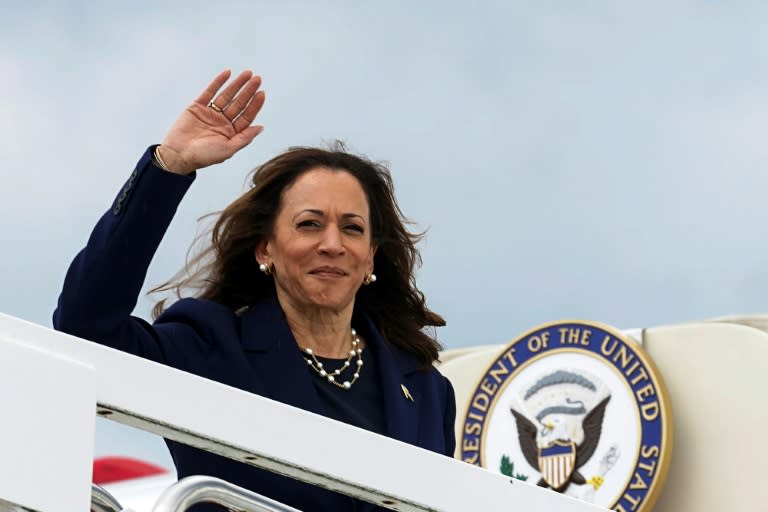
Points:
(254, 350)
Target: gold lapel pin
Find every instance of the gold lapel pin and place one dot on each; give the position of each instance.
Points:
(406, 392)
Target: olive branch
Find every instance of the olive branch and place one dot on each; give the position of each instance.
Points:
(507, 467)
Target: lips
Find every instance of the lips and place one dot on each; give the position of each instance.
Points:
(328, 272)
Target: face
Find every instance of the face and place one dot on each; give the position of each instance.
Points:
(320, 248)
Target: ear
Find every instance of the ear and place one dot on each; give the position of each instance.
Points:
(372, 255)
(261, 254)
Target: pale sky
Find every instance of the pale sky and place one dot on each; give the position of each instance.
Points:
(596, 160)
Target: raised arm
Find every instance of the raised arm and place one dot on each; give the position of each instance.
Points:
(104, 281)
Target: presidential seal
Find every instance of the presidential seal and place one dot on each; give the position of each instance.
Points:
(576, 407)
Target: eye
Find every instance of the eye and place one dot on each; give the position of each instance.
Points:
(354, 228)
(308, 224)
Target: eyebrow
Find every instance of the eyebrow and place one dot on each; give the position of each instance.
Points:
(320, 213)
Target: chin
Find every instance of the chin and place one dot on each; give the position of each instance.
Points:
(331, 302)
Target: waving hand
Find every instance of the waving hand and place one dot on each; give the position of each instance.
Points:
(216, 125)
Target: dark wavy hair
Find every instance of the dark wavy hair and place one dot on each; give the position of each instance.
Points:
(225, 269)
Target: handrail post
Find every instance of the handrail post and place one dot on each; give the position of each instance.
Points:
(102, 501)
(198, 489)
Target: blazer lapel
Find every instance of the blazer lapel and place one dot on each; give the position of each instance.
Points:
(394, 367)
(281, 373)
(279, 366)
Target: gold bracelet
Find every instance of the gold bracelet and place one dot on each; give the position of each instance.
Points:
(159, 160)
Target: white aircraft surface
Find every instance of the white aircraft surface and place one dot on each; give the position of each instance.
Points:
(723, 360)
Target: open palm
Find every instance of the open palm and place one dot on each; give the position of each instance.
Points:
(216, 125)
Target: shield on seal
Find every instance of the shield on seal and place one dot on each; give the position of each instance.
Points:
(556, 462)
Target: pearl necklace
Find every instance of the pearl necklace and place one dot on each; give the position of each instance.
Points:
(331, 376)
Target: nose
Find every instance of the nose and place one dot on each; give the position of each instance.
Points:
(331, 242)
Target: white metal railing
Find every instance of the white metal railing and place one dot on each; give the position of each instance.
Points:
(235, 424)
(102, 501)
(205, 489)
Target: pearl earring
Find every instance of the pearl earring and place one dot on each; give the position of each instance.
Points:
(265, 268)
(369, 278)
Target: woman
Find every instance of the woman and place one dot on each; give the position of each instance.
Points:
(288, 302)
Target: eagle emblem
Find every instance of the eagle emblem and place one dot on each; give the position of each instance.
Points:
(559, 422)
(573, 406)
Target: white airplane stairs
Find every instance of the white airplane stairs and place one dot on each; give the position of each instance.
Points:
(54, 384)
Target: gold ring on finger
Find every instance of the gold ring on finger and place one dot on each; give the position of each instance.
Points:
(215, 107)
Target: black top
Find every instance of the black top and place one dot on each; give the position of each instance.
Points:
(362, 405)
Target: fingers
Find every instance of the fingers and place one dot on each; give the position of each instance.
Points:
(225, 97)
(252, 109)
(207, 95)
(243, 138)
(241, 100)
(239, 104)
(243, 97)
